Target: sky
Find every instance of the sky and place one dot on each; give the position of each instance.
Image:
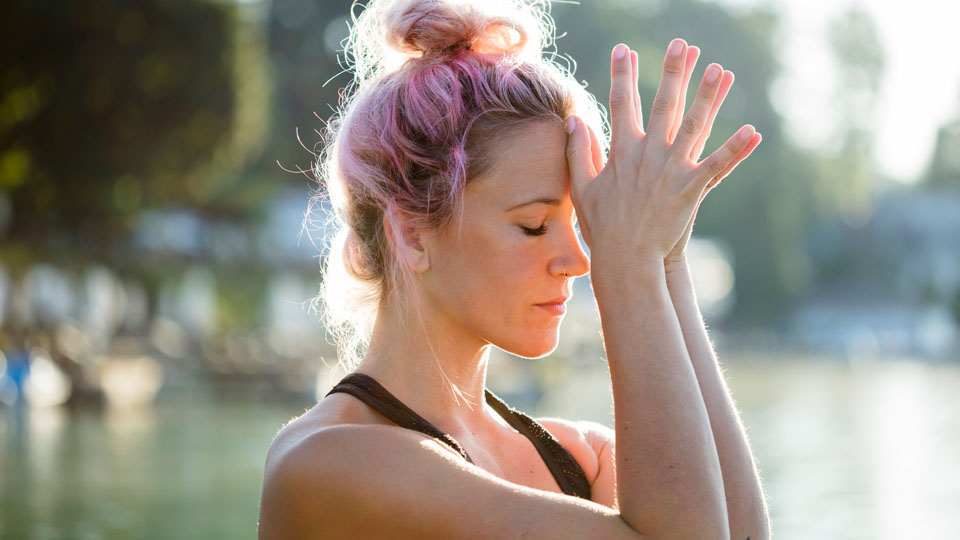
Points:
(920, 89)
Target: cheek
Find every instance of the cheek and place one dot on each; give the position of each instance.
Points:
(492, 272)
(509, 260)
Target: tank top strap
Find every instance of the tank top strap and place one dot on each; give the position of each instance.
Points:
(565, 469)
(367, 389)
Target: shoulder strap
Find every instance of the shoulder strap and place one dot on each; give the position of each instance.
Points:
(367, 389)
(565, 469)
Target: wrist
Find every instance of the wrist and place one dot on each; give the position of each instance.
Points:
(645, 270)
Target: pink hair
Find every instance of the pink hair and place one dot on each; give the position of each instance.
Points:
(437, 84)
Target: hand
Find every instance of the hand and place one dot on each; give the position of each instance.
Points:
(643, 199)
(677, 256)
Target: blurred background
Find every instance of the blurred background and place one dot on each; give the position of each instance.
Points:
(157, 263)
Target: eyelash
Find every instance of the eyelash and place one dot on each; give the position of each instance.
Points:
(542, 229)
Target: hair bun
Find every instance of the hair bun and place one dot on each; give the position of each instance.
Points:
(435, 26)
(389, 32)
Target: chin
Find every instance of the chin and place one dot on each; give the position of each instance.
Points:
(533, 345)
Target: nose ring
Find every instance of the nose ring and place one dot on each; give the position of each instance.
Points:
(564, 270)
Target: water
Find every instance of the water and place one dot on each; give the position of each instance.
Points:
(186, 468)
(845, 452)
(862, 452)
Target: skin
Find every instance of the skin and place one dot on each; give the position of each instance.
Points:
(642, 237)
(479, 284)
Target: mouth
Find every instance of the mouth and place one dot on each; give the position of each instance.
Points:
(557, 306)
(553, 309)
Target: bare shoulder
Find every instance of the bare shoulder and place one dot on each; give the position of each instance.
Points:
(377, 481)
(592, 444)
(333, 410)
(579, 434)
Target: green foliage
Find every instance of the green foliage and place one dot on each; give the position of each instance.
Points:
(304, 44)
(241, 297)
(762, 210)
(111, 107)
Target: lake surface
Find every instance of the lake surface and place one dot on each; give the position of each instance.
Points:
(869, 451)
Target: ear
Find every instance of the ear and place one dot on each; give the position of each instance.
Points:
(408, 243)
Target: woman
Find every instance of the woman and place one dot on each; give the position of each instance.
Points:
(458, 170)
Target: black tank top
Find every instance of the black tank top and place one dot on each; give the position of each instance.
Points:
(565, 469)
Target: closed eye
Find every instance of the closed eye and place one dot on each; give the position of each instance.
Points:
(535, 232)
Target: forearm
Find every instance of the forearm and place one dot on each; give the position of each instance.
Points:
(746, 506)
(669, 480)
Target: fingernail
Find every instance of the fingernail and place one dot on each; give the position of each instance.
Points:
(712, 73)
(676, 48)
(571, 124)
(746, 132)
(619, 51)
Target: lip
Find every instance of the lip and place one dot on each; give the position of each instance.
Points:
(555, 309)
(557, 306)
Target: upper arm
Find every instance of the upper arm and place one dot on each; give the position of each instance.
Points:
(354, 481)
(592, 445)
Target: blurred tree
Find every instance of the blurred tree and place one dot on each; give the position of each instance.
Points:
(944, 166)
(763, 210)
(846, 176)
(110, 107)
(305, 42)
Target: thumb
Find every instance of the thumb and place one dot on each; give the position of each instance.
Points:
(579, 155)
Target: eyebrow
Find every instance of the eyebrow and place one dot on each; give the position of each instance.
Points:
(541, 200)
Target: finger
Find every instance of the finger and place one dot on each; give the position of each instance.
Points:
(718, 161)
(623, 125)
(695, 121)
(596, 151)
(636, 89)
(579, 160)
(754, 142)
(693, 53)
(725, 83)
(665, 103)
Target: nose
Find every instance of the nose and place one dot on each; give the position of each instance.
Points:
(571, 258)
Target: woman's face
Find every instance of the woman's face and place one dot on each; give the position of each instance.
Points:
(517, 239)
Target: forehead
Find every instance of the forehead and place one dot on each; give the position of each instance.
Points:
(529, 161)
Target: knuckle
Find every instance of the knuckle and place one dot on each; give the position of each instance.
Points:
(619, 99)
(691, 125)
(673, 67)
(707, 92)
(716, 164)
(738, 145)
(660, 105)
(622, 68)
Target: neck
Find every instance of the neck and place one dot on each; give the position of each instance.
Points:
(406, 356)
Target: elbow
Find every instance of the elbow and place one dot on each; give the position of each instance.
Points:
(763, 527)
(755, 526)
